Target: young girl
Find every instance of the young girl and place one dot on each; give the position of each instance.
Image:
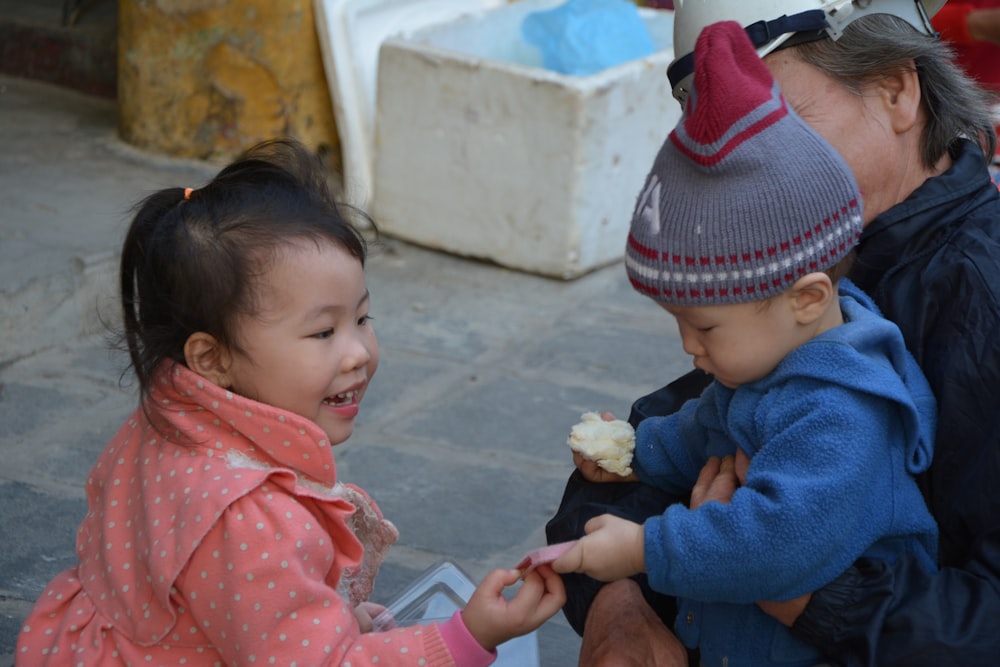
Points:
(217, 531)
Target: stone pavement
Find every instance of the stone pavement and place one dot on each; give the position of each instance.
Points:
(461, 436)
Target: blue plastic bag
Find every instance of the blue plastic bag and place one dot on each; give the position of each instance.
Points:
(585, 36)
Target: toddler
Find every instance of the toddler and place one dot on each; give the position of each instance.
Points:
(743, 234)
(217, 531)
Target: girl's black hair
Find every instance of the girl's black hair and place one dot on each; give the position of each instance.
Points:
(192, 263)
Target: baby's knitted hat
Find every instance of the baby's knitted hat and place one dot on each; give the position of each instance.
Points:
(744, 198)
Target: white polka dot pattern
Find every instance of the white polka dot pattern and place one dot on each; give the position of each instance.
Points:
(204, 545)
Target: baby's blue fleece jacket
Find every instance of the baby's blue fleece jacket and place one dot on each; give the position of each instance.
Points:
(835, 435)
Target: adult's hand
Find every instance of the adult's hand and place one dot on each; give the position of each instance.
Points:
(786, 612)
(719, 479)
(621, 630)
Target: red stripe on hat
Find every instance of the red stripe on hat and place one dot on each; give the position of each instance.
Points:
(640, 249)
(644, 288)
(735, 142)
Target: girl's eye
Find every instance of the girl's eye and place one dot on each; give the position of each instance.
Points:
(364, 319)
(705, 329)
(322, 335)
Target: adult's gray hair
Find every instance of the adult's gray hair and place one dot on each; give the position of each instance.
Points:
(880, 44)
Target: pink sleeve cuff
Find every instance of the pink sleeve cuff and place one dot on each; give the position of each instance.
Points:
(464, 648)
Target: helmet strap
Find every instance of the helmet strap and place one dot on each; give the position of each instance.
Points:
(811, 22)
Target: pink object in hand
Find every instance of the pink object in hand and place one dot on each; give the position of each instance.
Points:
(543, 555)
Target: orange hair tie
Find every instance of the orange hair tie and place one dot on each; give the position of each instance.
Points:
(187, 193)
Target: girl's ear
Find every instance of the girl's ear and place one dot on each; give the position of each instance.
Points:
(208, 358)
(811, 296)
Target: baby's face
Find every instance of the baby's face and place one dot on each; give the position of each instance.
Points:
(738, 343)
(311, 348)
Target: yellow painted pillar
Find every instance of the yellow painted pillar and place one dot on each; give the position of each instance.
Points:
(209, 78)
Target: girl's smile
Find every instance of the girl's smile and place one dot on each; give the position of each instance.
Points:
(311, 348)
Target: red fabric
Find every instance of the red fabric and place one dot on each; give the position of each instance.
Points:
(950, 22)
(741, 101)
(981, 60)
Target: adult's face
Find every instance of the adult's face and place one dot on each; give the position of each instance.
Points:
(866, 128)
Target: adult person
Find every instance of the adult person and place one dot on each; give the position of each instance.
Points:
(915, 131)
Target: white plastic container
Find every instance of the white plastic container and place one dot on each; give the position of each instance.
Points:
(481, 152)
(435, 595)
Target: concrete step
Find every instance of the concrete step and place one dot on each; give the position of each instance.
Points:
(67, 184)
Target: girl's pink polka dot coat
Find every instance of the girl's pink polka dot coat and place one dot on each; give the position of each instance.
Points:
(220, 538)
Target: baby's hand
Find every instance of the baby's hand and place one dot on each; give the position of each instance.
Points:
(492, 619)
(612, 549)
(602, 448)
(593, 472)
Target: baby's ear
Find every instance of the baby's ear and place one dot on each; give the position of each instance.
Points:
(207, 357)
(811, 296)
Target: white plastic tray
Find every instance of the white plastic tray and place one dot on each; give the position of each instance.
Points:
(438, 593)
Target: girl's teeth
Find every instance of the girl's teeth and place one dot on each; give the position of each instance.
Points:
(339, 399)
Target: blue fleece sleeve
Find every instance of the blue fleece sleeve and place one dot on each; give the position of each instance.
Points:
(817, 494)
(671, 451)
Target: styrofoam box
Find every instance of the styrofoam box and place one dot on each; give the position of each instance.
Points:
(481, 152)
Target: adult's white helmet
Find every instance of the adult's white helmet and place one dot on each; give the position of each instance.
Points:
(771, 23)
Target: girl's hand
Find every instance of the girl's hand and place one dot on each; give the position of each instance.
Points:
(492, 619)
(612, 549)
(365, 613)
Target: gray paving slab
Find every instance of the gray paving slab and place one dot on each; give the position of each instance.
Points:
(66, 186)
(461, 437)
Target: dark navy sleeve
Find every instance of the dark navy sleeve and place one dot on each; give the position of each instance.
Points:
(881, 615)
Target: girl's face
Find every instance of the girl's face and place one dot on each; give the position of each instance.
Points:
(311, 348)
(739, 343)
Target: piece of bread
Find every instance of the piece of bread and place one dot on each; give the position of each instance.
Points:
(609, 443)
